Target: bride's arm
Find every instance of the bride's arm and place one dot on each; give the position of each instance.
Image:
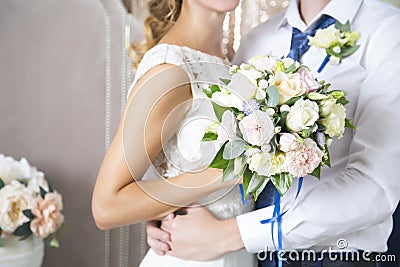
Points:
(118, 198)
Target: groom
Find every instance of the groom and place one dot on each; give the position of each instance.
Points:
(352, 206)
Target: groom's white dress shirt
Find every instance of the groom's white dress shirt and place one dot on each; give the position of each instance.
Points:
(354, 200)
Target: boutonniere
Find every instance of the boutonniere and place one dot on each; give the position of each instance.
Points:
(339, 42)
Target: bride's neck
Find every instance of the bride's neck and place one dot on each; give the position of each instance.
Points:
(199, 29)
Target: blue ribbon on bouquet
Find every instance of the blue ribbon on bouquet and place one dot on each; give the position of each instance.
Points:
(277, 217)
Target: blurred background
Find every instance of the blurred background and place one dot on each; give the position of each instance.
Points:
(64, 75)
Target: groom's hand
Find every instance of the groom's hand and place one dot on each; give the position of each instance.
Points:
(200, 236)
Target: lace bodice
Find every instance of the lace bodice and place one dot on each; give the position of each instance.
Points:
(185, 151)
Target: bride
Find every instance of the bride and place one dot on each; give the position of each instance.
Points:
(162, 126)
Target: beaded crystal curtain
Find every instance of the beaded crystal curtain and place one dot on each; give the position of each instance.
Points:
(248, 14)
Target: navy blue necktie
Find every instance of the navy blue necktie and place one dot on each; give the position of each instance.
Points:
(299, 44)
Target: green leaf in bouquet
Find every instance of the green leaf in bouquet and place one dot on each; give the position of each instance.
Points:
(282, 122)
(28, 213)
(1, 183)
(317, 172)
(229, 172)
(349, 50)
(292, 68)
(212, 89)
(282, 182)
(343, 100)
(246, 180)
(292, 100)
(327, 158)
(42, 192)
(1, 240)
(209, 137)
(324, 88)
(23, 230)
(225, 81)
(233, 149)
(256, 181)
(261, 188)
(50, 185)
(219, 110)
(343, 27)
(219, 162)
(273, 96)
(348, 124)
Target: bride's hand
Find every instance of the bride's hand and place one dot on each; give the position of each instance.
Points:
(157, 239)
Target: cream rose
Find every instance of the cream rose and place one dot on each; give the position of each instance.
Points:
(257, 128)
(14, 198)
(48, 217)
(335, 121)
(289, 85)
(260, 163)
(325, 38)
(302, 115)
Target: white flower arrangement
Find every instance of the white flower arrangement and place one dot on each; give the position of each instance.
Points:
(339, 42)
(28, 203)
(276, 122)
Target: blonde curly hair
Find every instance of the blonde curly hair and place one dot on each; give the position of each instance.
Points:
(163, 14)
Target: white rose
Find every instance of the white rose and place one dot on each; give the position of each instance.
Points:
(302, 115)
(325, 38)
(10, 169)
(14, 198)
(289, 85)
(257, 128)
(260, 163)
(325, 105)
(227, 99)
(335, 121)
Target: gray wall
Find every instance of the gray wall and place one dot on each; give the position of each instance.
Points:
(53, 109)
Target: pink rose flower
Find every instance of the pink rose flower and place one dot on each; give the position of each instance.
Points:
(304, 159)
(257, 128)
(48, 217)
(308, 81)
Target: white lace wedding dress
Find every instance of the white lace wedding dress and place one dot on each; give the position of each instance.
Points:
(185, 151)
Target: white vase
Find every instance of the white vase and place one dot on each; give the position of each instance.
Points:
(24, 253)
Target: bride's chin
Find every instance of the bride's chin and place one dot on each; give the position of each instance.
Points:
(221, 6)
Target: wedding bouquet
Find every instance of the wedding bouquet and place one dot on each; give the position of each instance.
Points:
(28, 203)
(276, 122)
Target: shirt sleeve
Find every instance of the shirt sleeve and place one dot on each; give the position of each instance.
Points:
(367, 191)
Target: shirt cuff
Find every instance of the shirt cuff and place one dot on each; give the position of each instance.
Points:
(256, 236)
